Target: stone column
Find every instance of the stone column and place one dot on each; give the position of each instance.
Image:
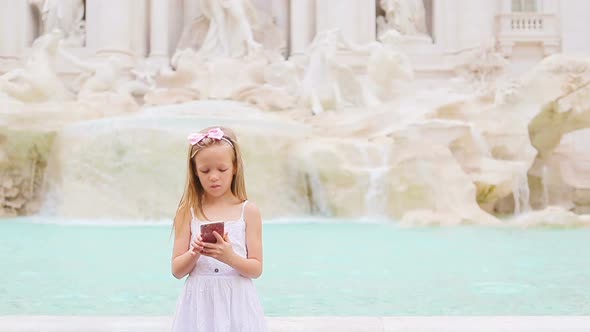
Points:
(446, 15)
(354, 18)
(17, 28)
(159, 42)
(505, 6)
(302, 25)
(108, 25)
(175, 23)
(280, 13)
(474, 14)
(367, 22)
(140, 28)
(550, 6)
(574, 28)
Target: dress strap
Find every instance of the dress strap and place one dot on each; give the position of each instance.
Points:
(243, 208)
(192, 213)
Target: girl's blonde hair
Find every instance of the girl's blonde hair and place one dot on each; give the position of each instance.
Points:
(194, 191)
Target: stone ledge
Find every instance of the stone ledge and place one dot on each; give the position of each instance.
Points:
(309, 324)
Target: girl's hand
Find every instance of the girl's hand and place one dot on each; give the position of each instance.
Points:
(222, 250)
(195, 246)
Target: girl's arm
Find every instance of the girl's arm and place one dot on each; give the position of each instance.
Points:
(250, 267)
(184, 258)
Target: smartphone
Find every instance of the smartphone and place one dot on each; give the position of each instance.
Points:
(207, 229)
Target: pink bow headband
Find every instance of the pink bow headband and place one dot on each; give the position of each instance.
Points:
(213, 133)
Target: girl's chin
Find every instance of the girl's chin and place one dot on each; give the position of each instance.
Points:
(215, 191)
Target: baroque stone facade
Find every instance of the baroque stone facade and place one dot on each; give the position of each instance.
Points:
(524, 31)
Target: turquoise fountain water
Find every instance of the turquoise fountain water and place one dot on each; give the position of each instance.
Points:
(311, 268)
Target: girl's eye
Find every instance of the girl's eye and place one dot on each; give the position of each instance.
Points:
(223, 170)
(205, 171)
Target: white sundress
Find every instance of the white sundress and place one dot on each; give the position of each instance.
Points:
(215, 297)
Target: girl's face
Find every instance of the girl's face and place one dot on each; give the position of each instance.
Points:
(215, 169)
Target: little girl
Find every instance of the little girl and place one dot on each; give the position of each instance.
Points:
(218, 294)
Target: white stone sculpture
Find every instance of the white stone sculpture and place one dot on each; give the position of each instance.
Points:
(481, 66)
(109, 77)
(267, 32)
(408, 17)
(269, 83)
(279, 90)
(326, 82)
(230, 31)
(187, 80)
(232, 28)
(329, 83)
(388, 71)
(64, 15)
(37, 80)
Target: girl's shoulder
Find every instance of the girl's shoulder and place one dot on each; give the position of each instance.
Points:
(251, 211)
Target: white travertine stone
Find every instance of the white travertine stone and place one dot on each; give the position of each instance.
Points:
(17, 27)
(337, 14)
(159, 13)
(303, 26)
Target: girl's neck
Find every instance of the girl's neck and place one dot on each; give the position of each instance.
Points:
(226, 199)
